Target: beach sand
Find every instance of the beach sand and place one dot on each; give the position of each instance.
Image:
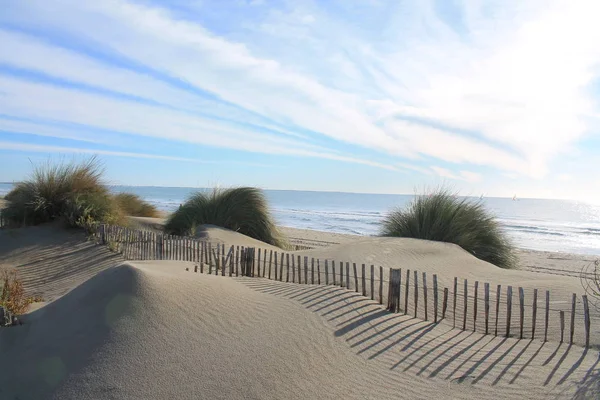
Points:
(153, 330)
(128, 330)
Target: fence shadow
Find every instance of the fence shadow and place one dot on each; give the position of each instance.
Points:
(436, 350)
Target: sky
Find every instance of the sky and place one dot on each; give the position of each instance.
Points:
(375, 96)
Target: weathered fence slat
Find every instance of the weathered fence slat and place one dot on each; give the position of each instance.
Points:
(355, 278)
(364, 284)
(380, 285)
(326, 272)
(521, 311)
(270, 262)
(454, 305)
(231, 259)
(547, 315)
(406, 290)
(281, 269)
(562, 326)
(318, 272)
(445, 303)
(425, 295)
(333, 272)
(312, 271)
(416, 292)
(287, 267)
(394, 291)
(293, 266)
(475, 297)
(341, 274)
(534, 313)
(573, 302)
(465, 304)
(372, 282)
(258, 262)
(347, 275)
(508, 309)
(498, 293)
(306, 270)
(486, 301)
(435, 299)
(275, 258)
(586, 311)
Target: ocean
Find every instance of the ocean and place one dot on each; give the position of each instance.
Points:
(536, 224)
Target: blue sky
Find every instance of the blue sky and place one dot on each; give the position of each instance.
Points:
(491, 97)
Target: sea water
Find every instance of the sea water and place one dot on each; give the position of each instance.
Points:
(537, 224)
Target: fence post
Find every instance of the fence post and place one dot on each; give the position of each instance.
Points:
(258, 261)
(318, 272)
(435, 299)
(281, 269)
(355, 278)
(508, 309)
(521, 311)
(312, 271)
(341, 274)
(586, 311)
(534, 313)
(287, 267)
(573, 301)
(326, 272)
(271, 262)
(275, 258)
(394, 291)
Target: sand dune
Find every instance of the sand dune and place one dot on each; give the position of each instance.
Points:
(51, 260)
(151, 330)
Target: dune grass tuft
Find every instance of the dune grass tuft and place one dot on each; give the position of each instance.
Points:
(133, 205)
(242, 209)
(443, 217)
(73, 192)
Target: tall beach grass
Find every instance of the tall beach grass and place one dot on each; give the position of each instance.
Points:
(244, 210)
(444, 217)
(133, 205)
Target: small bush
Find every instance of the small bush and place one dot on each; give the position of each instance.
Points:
(243, 210)
(74, 192)
(133, 205)
(445, 218)
(13, 296)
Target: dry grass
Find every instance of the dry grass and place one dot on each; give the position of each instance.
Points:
(132, 205)
(443, 217)
(74, 192)
(13, 296)
(244, 210)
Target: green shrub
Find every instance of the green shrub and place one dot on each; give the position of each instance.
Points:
(243, 210)
(73, 192)
(443, 217)
(133, 205)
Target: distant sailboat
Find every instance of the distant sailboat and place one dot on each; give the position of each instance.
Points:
(514, 197)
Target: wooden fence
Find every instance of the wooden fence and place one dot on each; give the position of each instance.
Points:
(498, 310)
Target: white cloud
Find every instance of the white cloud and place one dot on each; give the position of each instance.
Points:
(507, 90)
(467, 176)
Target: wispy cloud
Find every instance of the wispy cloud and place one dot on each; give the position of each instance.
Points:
(501, 85)
(467, 176)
